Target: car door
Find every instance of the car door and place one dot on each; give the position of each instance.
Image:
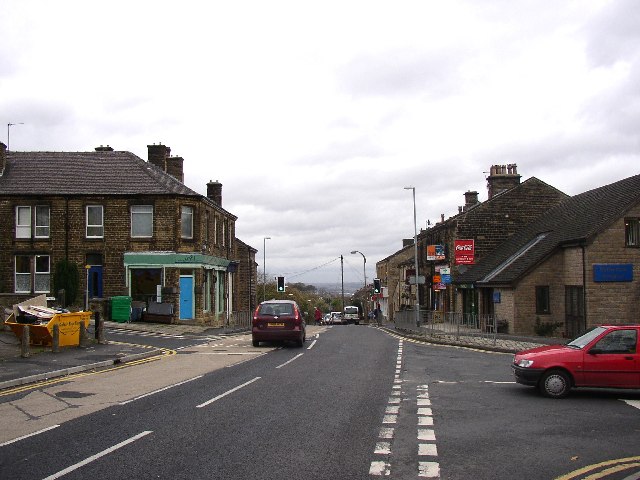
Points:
(613, 360)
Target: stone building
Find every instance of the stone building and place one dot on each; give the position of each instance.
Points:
(131, 226)
(574, 267)
(511, 205)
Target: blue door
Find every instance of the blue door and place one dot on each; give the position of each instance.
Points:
(186, 298)
(95, 281)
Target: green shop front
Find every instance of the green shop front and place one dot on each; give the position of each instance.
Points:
(198, 286)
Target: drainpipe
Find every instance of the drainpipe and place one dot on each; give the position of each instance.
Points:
(584, 286)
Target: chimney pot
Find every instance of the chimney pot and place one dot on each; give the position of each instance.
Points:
(214, 192)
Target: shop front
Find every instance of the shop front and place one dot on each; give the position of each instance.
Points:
(193, 286)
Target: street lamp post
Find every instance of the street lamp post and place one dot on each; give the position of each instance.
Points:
(264, 267)
(364, 271)
(415, 253)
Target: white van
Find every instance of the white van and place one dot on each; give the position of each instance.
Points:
(351, 314)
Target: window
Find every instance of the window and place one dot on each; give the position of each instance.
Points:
(41, 280)
(618, 341)
(215, 229)
(23, 274)
(95, 221)
(42, 221)
(542, 300)
(43, 274)
(224, 232)
(186, 220)
(632, 232)
(206, 227)
(141, 220)
(23, 222)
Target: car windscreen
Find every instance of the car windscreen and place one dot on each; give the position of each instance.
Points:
(350, 309)
(583, 340)
(276, 309)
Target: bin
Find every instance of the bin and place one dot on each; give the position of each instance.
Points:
(121, 309)
(42, 333)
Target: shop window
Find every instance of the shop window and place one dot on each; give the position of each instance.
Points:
(542, 300)
(142, 221)
(95, 221)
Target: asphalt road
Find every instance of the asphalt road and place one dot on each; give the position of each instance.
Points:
(354, 403)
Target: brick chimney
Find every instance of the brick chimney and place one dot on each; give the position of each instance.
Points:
(157, 155)
(470, 199)
(104, 149)
(3, 157)
(214, 192)
(174, 167)
(502, 178)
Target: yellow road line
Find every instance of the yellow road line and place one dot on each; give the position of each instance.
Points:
(164, 352)
(622, 464)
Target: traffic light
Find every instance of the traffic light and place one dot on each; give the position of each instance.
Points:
(376, 285)
(281, 284)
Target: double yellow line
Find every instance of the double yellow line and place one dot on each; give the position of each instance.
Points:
(610, 467)
(164, 352)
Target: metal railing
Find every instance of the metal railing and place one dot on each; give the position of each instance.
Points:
(450, 324)
(240, 320)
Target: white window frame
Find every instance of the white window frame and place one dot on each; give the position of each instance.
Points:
(92, 229)
(224, 232)
(141, 211)
(186, 221)
(23, 230)
(215, 230)
(42, 230)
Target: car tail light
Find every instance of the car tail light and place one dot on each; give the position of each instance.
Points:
(296, 318)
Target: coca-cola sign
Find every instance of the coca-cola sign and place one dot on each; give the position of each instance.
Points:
(464, 252)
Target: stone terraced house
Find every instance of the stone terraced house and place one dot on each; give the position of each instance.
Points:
(133, 228)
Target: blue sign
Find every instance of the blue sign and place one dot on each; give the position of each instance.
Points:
(446, 279)
(613, 272)
(496, 297)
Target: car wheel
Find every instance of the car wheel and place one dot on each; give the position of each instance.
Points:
(255, 342)
(555, 384)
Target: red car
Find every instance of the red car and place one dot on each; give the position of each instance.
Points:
(278, 320)
(606, 356)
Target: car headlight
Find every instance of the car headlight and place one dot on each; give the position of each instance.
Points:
(524, 363)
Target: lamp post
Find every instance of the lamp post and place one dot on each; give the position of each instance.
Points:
(364, 271)
(9, 125)
(264, 267)
(415, 252)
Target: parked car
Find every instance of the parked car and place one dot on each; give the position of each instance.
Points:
(278, 320)
(606, 356)
(326, 319)
(336, 318)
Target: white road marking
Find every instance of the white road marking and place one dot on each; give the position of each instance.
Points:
(386, 433)
(425, 411)
(387, 419)
(429, 469)
(424, 402)
(90, 459)
(379, 468)
(160, 390)
(633, 403)
(312, 344)
(394, 400)
(383, 448)
(29, 435)
(289, 361)
(425, 421)
(426, 434)
(208, 402)
(392, 410)
(428, 449)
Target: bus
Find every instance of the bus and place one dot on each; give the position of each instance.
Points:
(351, 314)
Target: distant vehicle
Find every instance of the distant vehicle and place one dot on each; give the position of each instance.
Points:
(278, 320)
(606, 356)
(326, 319)
(351, 314)
(336, 318)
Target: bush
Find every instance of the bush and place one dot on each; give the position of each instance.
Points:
(66, 277)
(545, 329)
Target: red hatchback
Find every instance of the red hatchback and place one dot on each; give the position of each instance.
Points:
(606, 356)
(278, 320)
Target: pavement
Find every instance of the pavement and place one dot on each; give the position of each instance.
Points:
(43, 364)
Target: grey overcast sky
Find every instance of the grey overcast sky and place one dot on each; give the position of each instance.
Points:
(314, 115)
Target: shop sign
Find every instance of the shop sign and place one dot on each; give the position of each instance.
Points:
(613, 272)
(435, 252)
(464, 252)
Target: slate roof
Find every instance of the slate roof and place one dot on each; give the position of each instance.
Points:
(574, 221)
(85, 173)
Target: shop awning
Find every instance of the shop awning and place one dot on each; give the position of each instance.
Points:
(173, 259)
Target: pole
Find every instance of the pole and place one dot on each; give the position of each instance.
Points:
(9, 125)
(342, 277)
(415, 253)
(264, 267)
(364, 291)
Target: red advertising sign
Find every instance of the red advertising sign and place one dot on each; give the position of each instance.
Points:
(464, 252)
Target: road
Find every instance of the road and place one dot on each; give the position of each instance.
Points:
(355, 402)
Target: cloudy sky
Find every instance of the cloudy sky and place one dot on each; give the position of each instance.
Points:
(314, 115)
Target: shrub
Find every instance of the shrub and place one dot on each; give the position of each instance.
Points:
(66, 277)
(545, 329)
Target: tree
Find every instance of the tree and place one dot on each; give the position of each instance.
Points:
(66, 277)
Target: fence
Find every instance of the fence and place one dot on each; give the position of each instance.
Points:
(240, 320)
(450, 324)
